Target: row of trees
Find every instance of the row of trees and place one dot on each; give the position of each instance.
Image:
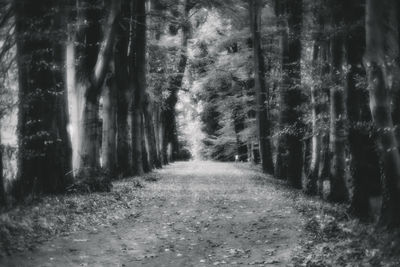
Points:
(310, 89)
(98, 83)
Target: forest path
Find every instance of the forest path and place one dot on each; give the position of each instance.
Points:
(197, 214)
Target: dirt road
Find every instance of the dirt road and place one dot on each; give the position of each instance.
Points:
(197, 214)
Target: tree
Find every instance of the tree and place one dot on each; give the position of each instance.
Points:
(338, 131)
(263, 126)
(109, 112)
(381, 42)
(168, 115)
(290, 146)
(364, 165)
(138, 83)
(93, 77)
(124, 92)
(44, 162)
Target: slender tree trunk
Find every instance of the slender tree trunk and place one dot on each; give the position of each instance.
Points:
(239, 125)
(44, 161)
(311, 187)
(109, 144)
(338, 132)
(263, 125)
(290, 145)
(379, 40)
(147, 166)
(2, 189)
(325, 162)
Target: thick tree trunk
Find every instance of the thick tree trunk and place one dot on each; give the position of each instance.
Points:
(83, 54)
(89, 129)
(364, 165)
(338, 132)
(109, 144)
(138, 81)
(378, 42)
(44, 161)
(263, 125)
(124, 145)
(290, 145)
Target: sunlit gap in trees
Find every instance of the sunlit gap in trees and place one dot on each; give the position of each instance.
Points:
(189, 125)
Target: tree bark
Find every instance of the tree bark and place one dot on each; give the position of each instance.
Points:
(147, 166)
(325, 162)
(311, 187)
(89, 135)
(338, 132)
(290, 145)
(155, 162)
(124, 93)
(263, 125)
(109, 144)
(364, 165)
(138, 79)
(44, 160)
(379, 42)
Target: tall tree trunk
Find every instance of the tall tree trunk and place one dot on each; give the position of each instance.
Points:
(263, 125)
(124, 92)
(138, 78)
(109, 144)
(83, 53)
(89, 130)
(364, 165)
(290, 144)
(338, 132)
(311, 187)
(44, 161)
(380, 40)
(325, 162)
